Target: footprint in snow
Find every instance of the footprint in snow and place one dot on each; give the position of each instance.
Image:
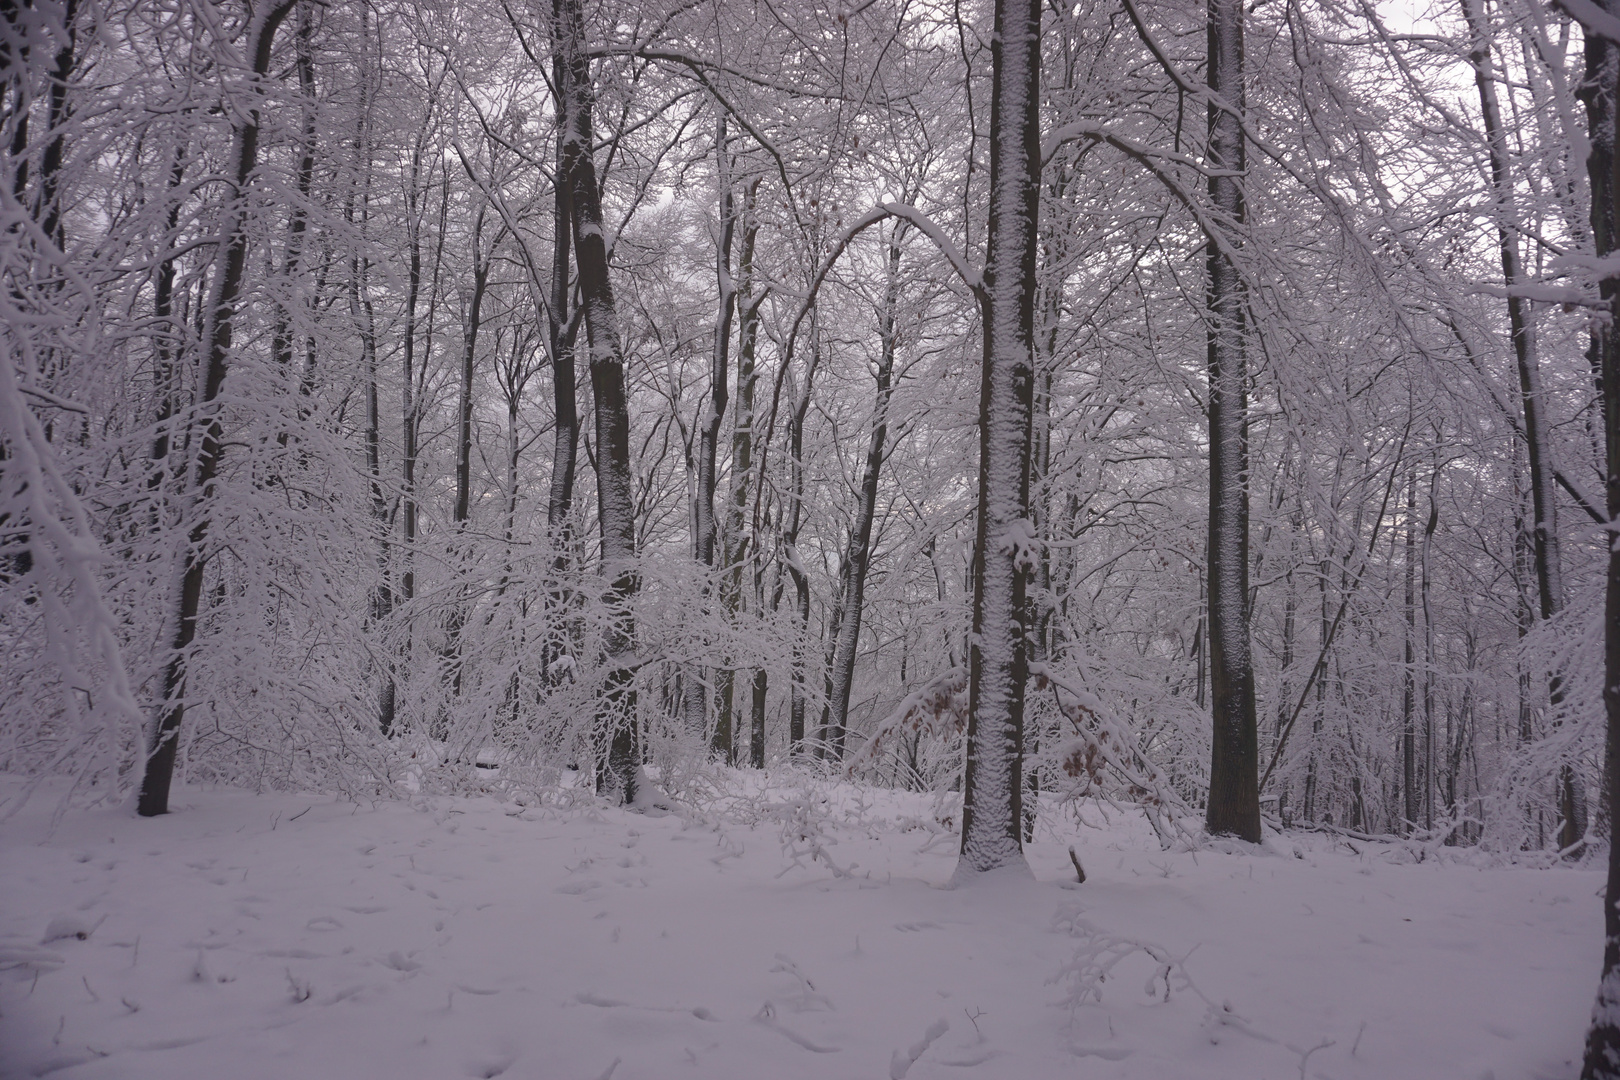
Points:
(400, 962)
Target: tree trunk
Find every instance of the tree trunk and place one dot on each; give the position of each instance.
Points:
(1409, 805)
(562, 328)
(858, 554)
(998, 664)
(695, 703)
(221, 310)
(281, 347)
(741, 547)
(464, 411)
(1602, 1060)
(1234, 789)
(614, 481)
(1543, 493)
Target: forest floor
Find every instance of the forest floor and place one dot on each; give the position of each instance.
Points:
(269, 937)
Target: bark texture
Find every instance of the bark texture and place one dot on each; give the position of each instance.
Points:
(216, 360)
(998, 664)
(615, 496)
(1234, 788)
(1602, 1059)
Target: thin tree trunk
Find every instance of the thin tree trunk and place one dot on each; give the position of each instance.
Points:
(218, 326)
(695, 704)
(464, 412)
(858, 553)
(1409, 805)
(1549, 579)
(1429, 778)
(741, 548)
(281, 346)
(1234, 790)
(614, 481)
(998, 664)
(562, 327)
(1602, 1059)
(797, 700)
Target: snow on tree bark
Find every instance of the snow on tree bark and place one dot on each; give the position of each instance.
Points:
(1234, 789)
(215, 362)
(615, 497)
(695, 699)
(1544, 530)
(1003, 557)
(1602, 1059)
(858, 554)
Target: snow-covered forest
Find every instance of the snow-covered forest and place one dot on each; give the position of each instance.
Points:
(1198, 415)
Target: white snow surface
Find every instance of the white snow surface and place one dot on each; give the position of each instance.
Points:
(263, 937)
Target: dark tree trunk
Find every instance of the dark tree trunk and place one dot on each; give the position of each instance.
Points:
(614, 481)
(1234, 789)
(858, 552)
(464, 427)
(1409, 783)
(741, 547)
(695, 704)
(998, 664)
(562, 329)
(281, 344)
(232, 258)
(1543, 493)
(1602, 1060)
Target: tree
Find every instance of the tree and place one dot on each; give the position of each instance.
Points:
(214, 360)
(1004, 555)
(614, 483)
(1234, 789)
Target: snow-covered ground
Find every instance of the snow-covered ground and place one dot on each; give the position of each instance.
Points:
(267, 937)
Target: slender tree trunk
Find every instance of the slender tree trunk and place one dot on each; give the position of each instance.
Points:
(614, 480)
(218, 325)
(695, 704)
(1543, 493)
(168, 334)
(281, 346)
(858, 553)
(562, 327)
(464, 440)
(1429, 778)
(998, 664)
(1409, 805)
(741, 548)
(1602, 1060)
(1234, 789)
(798, 694)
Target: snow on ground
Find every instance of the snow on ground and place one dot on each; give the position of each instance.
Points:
(265, 937)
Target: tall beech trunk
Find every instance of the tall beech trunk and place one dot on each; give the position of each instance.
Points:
(356, 215)
(469, 358)
(798, 694)
(473, 318)
(695, 705)
(1234, 788)
(281, 340)
(1543, 493)
(562, 328)
(1602, 1059)
(208, 430)
(998, 659)
(742, 546)
(614, 481)
(1409, 779)
(858, 552)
